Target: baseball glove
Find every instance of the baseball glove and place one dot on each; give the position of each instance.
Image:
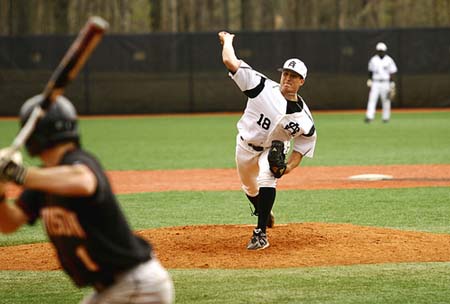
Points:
(392, 91)
(276, 158)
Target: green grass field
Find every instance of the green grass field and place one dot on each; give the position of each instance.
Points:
(208, 142)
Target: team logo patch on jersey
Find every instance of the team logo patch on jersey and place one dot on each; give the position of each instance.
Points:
(292, 127)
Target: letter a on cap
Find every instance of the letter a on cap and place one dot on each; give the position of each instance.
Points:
(295, 65)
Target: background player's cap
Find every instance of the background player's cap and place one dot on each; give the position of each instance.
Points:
(295, 65)
(381, 47)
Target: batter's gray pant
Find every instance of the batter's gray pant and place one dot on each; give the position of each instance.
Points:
(146, 283)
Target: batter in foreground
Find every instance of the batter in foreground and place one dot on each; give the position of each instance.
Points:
(275, 117)
(72, 195)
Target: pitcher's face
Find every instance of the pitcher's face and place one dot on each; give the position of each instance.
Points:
(290, 82)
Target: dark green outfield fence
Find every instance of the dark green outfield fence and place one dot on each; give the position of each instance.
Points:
(163, 72)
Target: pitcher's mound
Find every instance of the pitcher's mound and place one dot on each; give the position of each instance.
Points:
(294, 245)
(291, 245)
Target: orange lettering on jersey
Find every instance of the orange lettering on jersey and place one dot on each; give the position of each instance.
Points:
(61, 222)
(86, 259)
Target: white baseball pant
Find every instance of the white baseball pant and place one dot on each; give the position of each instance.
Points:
(379, 89)
(253, 168)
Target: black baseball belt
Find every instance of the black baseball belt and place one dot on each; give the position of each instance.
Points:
(256, 148)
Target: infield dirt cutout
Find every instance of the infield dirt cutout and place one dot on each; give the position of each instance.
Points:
(292, 245)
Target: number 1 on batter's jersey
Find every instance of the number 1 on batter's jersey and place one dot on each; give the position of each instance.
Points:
(86, 259)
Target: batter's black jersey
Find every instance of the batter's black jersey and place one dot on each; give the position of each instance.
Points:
(91, 235)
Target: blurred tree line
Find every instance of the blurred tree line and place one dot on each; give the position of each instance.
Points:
(22, 17)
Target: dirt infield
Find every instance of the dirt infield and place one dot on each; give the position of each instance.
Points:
(303, 178)
(292, 245)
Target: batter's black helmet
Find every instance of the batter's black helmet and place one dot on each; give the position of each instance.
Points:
(58, 125)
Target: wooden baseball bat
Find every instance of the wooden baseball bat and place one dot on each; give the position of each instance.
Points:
(69, 67)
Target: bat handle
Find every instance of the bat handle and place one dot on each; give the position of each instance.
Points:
(27, 129)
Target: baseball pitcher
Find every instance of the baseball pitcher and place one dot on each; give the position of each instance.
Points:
(275, 117)
(381, 83)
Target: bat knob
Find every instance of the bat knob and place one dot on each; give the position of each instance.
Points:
(99, 22)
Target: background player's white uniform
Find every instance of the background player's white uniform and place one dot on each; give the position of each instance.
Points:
(381, 69)
(265, 119)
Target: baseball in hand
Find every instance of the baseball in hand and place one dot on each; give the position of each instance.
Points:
(223, 35)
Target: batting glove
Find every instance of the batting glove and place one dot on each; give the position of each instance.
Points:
(11, 168)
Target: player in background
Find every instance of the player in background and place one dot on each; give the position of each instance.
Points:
(381, 83)
(274, 111)
(72, 195)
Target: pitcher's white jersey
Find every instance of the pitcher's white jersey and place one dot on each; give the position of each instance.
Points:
(269, 116)
(382, 68)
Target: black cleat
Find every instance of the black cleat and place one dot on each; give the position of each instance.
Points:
(258, 241)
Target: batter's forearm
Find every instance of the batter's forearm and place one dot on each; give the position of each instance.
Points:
(11, 217)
